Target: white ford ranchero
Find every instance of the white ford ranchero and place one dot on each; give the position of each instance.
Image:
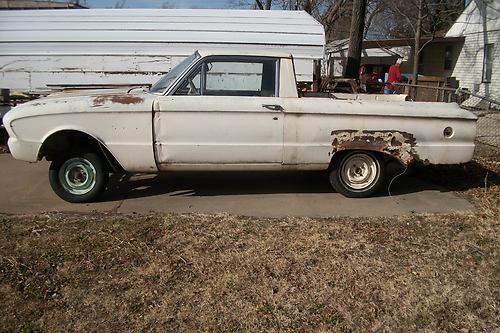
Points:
(231, 111)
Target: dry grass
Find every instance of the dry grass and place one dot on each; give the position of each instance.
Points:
(4, 148)
(3, 140)
(100, 272)
(220, 273)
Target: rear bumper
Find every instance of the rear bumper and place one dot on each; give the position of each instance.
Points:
(24, 150)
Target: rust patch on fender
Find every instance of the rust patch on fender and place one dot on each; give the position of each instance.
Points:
(117, 99)
(38, 104)
(399, 144)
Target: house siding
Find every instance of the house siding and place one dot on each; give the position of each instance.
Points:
(434, 59)
(469, 67)
(480, 25)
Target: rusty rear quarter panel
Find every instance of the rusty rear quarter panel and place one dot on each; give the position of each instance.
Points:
(317, 128)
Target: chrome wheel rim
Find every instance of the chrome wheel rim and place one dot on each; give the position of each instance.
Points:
(359, 171)
(77, 176)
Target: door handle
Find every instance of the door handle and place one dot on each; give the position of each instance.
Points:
(274, 107)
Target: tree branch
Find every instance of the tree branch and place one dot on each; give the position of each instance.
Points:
(332, 11)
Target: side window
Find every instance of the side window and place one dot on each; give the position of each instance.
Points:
(447, 57)
(240, 78)
(191, 85)
(488, 62)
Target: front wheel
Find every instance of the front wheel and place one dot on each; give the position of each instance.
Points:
(357, 174)
(78, 178)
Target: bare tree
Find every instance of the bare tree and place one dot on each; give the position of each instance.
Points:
(261, 6)
(384, 18)
(416, 51)
(82, 3)
(372, 11)
(168, 4)
(120, 4)
(393, 19)
(413, 19)
(334, 15)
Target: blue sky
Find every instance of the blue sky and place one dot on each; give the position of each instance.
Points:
(157, 3)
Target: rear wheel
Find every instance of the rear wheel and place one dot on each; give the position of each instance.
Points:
(357, 174)
(78, 178)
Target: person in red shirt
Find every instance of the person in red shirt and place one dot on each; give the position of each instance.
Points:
(362, 77)
(393, 77)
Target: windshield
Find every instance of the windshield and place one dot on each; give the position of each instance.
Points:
(167, 79)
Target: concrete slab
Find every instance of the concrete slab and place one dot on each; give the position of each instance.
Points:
(24, 188)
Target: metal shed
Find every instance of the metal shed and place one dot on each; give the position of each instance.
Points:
(136, 46)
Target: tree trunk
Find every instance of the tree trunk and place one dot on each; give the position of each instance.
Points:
(416, 51)
(308, 6)
(355, 39)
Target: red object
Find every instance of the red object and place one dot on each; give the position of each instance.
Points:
(362, 71)
(394, 75)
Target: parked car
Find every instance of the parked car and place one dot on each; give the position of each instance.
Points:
(231, 111)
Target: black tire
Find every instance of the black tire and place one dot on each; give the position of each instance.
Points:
(78, 178)
(357, 174)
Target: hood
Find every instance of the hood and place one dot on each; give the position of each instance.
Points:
(104, 100)
(88, 92)
(71, 94)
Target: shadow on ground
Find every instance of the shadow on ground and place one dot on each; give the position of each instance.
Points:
(461, 177)
(430, 178)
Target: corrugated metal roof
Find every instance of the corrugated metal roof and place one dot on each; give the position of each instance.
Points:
(172, 25)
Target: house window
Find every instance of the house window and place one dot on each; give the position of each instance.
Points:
(447, 57)
(488, 62)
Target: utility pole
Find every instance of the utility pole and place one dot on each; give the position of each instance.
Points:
(356, 39)
(416, 51)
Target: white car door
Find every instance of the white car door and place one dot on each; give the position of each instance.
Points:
(226, 112)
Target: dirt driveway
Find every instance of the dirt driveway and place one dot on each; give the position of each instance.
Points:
(25, 189)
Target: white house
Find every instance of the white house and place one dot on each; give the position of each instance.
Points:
(476, 68)
(134, 46)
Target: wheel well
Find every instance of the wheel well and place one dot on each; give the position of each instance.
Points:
(338, 155)
(64, 142)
